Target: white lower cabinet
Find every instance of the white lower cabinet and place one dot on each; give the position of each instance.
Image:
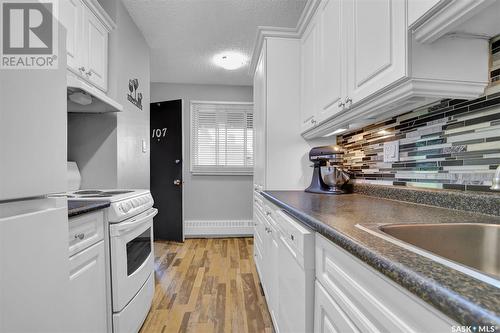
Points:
(353, 297)
(88, 293)
(312, 284)
(269, 268)
(284, 255)
(88, 290)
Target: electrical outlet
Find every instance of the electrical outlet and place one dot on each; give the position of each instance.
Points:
(391, 151)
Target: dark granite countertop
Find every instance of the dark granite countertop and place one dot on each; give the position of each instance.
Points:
(460, 296)
(78, 207)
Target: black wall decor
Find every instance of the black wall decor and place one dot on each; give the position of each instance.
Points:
(136, 99)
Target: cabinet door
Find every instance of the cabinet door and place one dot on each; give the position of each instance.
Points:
(331, 77)
(88, 290)
(259, 237)
(328, 315)
(96, 41)
(377, 45)
(71, 16)
(260, 106)
(308, 77)
(273, 290)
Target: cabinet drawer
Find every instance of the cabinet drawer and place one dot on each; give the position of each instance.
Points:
(84, 231)
(270, 211)
(259, 229)
(258, 202)
(298, 238)
(257, 250)
(328, 315)
(369, 299)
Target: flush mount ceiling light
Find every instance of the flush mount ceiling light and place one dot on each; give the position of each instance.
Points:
(230, 60)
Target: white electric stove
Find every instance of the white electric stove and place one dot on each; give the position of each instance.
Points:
(130, 243)
(124, 203)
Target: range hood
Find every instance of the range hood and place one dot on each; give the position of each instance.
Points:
(82, 97)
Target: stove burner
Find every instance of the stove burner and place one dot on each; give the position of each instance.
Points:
(117, 192)
(100, 195)
(62, 196)
(88, 192)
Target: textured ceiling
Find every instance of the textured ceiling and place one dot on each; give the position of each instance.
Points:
(184, 35)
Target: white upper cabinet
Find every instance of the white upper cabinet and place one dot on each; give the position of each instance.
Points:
(308, 79)
(376, 46)
(72, 18)
(88, 27)
(360, 63)
(430, 20)
(332, 60)
(96, 40)
(277, 141)
(259, 117)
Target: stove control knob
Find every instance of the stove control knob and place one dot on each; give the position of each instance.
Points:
(125, 206)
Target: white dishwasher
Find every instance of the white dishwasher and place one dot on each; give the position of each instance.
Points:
(296, 275)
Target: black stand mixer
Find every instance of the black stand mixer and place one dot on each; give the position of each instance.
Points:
(328, 176)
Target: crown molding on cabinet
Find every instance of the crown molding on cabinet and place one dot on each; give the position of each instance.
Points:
(445, 16)
(277, 32)
(402, 96)
(101, 14)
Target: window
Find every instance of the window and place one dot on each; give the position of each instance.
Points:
(221, 138)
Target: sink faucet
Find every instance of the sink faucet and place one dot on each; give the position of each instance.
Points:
(496, 180)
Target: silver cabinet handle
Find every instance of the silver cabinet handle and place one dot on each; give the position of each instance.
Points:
(81, 69)
(291, 237)
(341, 105)
(313, 121)
(80, 236)
(348, 100)
(268, 213)
(89, 73)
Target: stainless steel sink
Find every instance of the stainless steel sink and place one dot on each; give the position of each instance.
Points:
(475, 245)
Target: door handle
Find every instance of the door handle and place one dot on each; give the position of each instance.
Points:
(177, 182)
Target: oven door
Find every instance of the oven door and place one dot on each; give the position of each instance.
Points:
(131, 256)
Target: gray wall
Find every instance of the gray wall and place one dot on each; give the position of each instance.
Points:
(108, 147)
(92, 144)
(132, 58)
(209, 197)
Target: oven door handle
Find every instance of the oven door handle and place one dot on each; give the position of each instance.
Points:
(118, 228)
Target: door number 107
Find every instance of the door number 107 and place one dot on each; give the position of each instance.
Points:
(159, 132)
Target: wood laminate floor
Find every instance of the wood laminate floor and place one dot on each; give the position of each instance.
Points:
(207, 285)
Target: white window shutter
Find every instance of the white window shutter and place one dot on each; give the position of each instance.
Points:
(221, 138)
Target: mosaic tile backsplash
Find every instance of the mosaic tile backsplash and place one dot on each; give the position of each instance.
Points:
(453, 144)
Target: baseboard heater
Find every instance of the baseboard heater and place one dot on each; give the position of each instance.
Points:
(217, 228)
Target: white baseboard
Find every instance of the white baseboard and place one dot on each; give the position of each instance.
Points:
(217, 228)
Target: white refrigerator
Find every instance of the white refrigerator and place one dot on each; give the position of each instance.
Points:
(33, 228)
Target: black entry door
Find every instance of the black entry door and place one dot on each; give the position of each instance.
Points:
(166, 169)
